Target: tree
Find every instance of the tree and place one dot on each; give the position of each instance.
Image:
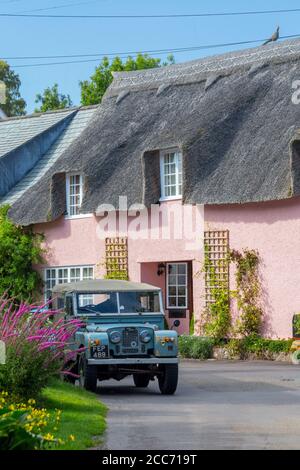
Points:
(93, 90)
(14, 104)
(52, 99)
(20, 248)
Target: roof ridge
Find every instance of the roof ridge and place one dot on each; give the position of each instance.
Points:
(46, 113)
(200, 68)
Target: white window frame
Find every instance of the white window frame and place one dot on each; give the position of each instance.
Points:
(68, 277)
(172, 307)
(68, 196)
(178, 195)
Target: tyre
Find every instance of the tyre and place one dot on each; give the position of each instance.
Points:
(168, 380)
(296, 357)
(88, 375)
(141, 381)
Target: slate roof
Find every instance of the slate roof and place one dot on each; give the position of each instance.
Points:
(17, 131)
(72, 131)
(231, 115)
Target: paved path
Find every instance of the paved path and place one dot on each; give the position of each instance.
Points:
(218, 405)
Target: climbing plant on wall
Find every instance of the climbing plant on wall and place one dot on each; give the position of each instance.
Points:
(248, 290)
(216, 317)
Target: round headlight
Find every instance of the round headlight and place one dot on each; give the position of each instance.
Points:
(115, 337)
(145, 336)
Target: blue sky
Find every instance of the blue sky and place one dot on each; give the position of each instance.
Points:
(42, 37)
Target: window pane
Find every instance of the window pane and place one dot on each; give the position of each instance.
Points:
(181, 281)
(88, 273)
(172, 281)
(172, 268)
(181, 290)
(172, 302)
(181, 268)
(172, 290)
(181, 301)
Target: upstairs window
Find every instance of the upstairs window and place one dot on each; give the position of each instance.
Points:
(171, 174)
(74, 192)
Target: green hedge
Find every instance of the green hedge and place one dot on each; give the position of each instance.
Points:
(195, 347)
(261, 347)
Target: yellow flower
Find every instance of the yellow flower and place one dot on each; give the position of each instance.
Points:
(48, 437)
(31, 401)
(71, 437)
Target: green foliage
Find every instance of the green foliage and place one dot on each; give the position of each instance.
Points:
(216, 317)
(93, 90)
(24, 374)
(262, 348)
(195, 347)
(248, 292)
(192, 324)
(51, 99)
(19, 249)
(25, 427)
(14, 105)
(83, 414)
(296, 324)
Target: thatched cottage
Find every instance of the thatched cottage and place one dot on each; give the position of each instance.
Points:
(203, 153)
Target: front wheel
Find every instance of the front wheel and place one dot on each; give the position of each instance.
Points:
(141, 381)
(168, 380)
(88, 375)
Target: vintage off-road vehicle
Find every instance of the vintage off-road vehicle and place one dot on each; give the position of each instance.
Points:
(123, 333)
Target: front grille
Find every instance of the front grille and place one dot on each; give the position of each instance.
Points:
(130, 350)
(130, 338)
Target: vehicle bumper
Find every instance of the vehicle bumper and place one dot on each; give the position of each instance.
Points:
(134, 360)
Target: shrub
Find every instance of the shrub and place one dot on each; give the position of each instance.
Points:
(24, 427)
(36, 347)
(262, 348)
(20, 248)
(195, 347)
(235, 348)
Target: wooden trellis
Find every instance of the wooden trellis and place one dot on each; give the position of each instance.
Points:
(116, 258)
(216, 246)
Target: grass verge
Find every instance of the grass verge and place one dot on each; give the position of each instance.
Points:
(83, 415)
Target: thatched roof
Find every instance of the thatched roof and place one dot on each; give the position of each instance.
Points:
(232, 116)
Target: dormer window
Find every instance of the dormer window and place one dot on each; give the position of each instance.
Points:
(74, 192)
(171, 174)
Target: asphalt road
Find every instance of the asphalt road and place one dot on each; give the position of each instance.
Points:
(218, 405)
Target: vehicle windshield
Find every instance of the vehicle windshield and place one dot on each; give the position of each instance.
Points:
(97, 303)
(139, 302)
(129, 302)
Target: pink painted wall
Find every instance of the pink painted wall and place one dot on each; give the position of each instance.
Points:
(72, 242)
(271, 228)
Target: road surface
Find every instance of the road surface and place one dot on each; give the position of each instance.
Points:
(218, 405)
